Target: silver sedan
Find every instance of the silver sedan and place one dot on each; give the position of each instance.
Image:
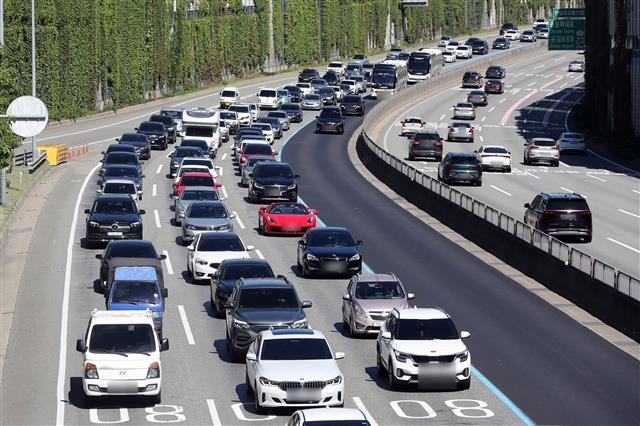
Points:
(203, 216)
(189, 195)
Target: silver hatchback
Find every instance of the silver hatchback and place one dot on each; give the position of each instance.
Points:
(203, 216)
(464, 110)
(458, 131)
(541, 150)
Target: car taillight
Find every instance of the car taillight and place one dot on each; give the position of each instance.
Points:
(438, 143)
(533, 146)
(555, 148)
(415, 142)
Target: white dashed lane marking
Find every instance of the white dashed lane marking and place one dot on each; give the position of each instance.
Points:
(159, 169)
(167, 262)
(224, 156)
(629, 213)
(500, 190)
(624, 245)
(185, 324)
(156, 216)
(154, 190)
(595, 177)
(238, 220)
(259, 254)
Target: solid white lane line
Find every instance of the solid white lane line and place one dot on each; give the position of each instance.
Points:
(220, 171)
(238, 220)
(185, 324)
(61, 396)
(259, 254)
(563, 85)
(156, 215)
(154, 190)
(491, 109)
(224, 156)
(158, 169)
(629, 213)
(167, 262)
(443, 116)
(595, 177)
(224, 192)
(500, 190)
(518, 74)
(502, 100)
(563, 164)
(213, 412)
(624, 245)
(636, 191)
(532, 175)
(168, 155)
(364, 410)
(559, 59)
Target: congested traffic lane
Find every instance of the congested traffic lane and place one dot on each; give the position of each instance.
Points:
(535, 104)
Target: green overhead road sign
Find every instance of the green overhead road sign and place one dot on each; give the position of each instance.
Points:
(566, 34)
(568, 13)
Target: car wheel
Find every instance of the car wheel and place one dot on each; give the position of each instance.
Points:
(379, 366)
(588, 239)
(477, 182)
(260, 226)
(156, 399)
(305, 272)
(524, 161)
(464, 384)
(439, 159)
(190, 273)
(411, 157)
(507, 170)
(394, 383)
(556, 164)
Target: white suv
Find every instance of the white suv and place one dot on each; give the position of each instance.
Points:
(268, 98)
(422, 346)
(121, 355)
(293, 368)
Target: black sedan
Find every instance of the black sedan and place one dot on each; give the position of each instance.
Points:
(295, 94)
(331, 78)
(121, 171)
(170, 126)
(328, 95)
(294, 112)
(140, 144)
(501, 43)
(352, 105)
(495, 71)
(329, 250)
(307, 74)
(180, 153)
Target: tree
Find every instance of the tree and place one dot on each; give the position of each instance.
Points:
(8, 141)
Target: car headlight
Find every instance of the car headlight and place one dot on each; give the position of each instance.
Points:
(136, 224)
(463, 356)
(154, 371)
(267, 382)
(359, 311)
(93, 224)
(401, 356)
(335, 381)
(270, 219)
(292, 186)
(257, 185)
(311, 257)
(156, 315)
(300, 324)
(190, 227)
(90, 371)
(222, 227)
(240, 324)
(201, 261)
(354, 257)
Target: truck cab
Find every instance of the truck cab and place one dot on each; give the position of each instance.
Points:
(121, 355)
(138, 288)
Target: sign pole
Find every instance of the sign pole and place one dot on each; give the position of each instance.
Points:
(33, 68)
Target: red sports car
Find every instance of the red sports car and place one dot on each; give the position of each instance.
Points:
(195, 179)
(286, 218)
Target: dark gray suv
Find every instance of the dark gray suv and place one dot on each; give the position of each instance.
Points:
(426, 143)
(330, 120)
(258, 304)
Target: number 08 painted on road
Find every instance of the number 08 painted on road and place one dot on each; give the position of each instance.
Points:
(470, 408)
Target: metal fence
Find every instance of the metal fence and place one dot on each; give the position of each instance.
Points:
(378, 117)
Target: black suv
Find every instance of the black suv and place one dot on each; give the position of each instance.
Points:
(352, 104)
(294, 112)
(179, 154)
(506, 27)
(231, 270)
(307, 74)
(330, 119)
(129, 249)
(272, 180)
(560, 215)
(480, 47)
(169, 125)
(426, 143)
(472, 79)
(156, 132)
(258, 304)
(461, 167)
(113, 217)
(140, 144)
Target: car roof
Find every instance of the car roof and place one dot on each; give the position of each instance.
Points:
(327, 229)
(495, 146)
(421, 313)
(130, 243)
(331, 414)
(298, 333)
(265, 282)
(246, 261)
(461, 154)
(196, 203)
(366, 276)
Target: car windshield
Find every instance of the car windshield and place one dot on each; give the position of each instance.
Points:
(312, 97)
(331, 239)
(173, 114)
(352, 99)
(120, 158)
(198, 143)
(220, 244)
(274, 298)
(133, 292)
(125, 338)
(464, 105)
(476, 93)
(278, 114)
(228, 115)
(191, 168)
(197, 162)
(201, 211)
(466, 125)
(190, 152)
(234, 272)
(133, 137)
(268, 93)
(293, 208)
(433, 329)
(119, 188)
(379, 290)
(295, 349)
(413, 121)
(114, 206)
(199, 195)
(197, 131)
(427, 136)
(290, 107)
(128, 172)
(151, 126)
(543, 142)
(567, 204)
(257, 148)
(197, 181)
(331, 114)
(274, 170)
(256, 159)
(464, 160)
(131, 250)
(240, 108)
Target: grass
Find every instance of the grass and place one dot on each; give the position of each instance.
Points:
(18, 181)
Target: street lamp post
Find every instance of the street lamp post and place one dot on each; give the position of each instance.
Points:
(33, 68)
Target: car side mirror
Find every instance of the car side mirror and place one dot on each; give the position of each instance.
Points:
(165, 292)
(296, 176)
(339, 355)
(87, 211)
(359, 242)
(80, 346)
(164, 344)
(229, 304)
(102, 152)
(346, 297)
(301, 242)
(475, 152)
(98, 191)
(251, 356)
(275, 152)
(191, 247)
(171, 154)
(176, 197)
(249, 248)
(142, 211)
(464, 334)
(117, 139)
(306, 304)
(135, 128)
(385, 335)
(410, 296)
(142, 176)
(162, 257)
(232, 216)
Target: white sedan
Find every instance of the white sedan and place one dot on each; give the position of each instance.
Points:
(452, 46)
(293, 368)
(494, 157)
(411, 125)
(572, 142)
(512, 35)
(209, 249)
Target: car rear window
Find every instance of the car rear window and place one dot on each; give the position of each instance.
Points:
(464, 160)
(199, 195)
(544, 142)
(197, 181)
(427, 136)
(495, 150)
(567, 204)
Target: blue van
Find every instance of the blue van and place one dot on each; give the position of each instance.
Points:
(138, 288)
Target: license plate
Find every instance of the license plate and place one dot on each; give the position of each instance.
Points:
(122, 387)
(377, 323)
(290, 228)
(436, 375)
(303, 395)
(113, 234)
(334, 266)
(567, 216)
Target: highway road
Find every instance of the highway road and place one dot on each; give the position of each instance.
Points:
(532, 363)
(536, 103)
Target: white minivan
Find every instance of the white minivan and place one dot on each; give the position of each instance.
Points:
(268, 99)
(228, 96)
(122, 355)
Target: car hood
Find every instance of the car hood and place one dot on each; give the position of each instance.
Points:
(274, 181)
(271, 316)
(219, 256)
(429, 347)
(150, 133)
(206, 221)
(307, 370)
(328, 251)
(113, 217)
(157, 307)
(297, 219)
(113, 361)
(382, 304)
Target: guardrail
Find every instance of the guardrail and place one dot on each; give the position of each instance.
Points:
(26, 158)
(378, 117)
